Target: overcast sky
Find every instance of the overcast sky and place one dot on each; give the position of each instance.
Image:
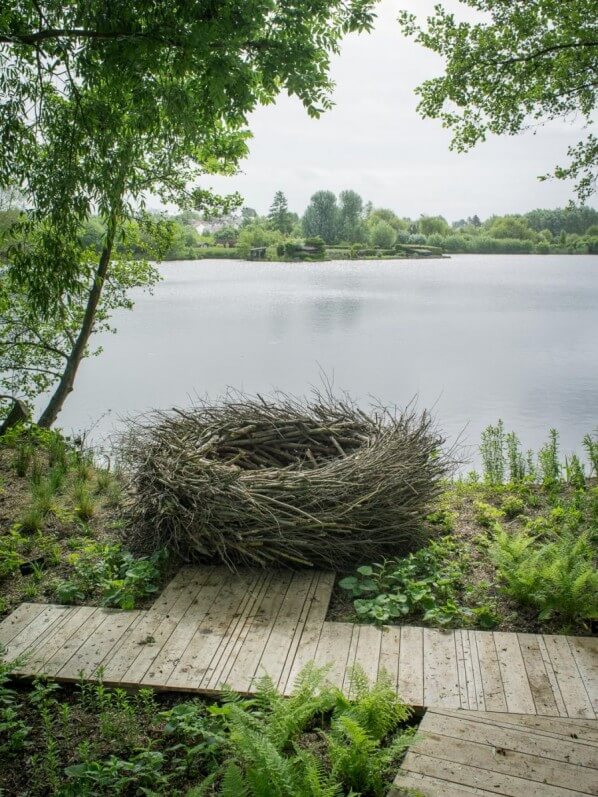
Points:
(374, 142)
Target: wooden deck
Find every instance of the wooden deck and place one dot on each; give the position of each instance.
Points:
(210, 628)
(459, 754)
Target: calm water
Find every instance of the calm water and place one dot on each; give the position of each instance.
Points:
(474, 337)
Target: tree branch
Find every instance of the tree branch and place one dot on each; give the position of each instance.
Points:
(540, 53)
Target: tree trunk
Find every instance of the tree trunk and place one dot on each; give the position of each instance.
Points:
(65, 386)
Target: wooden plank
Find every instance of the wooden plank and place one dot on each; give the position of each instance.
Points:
(554, 684)
(441, 678)
(367, 653)
(406, 783)
(522, 739)
(513, 674)
(142, 631)
(571, 685)
(411, 665)
(308, 643)
(556, 727)
(494, 696)
(495, 782)
(39, 627)
(585, 652)
(72, 639)
(98, 645)
(473, 676)
(48, 646)
(143, 649)
(461, 671)
(43, 639)
(333, 650)
(245, 666)
(182, 629)
(210, 634)
(217, 673)
(294, 644)
(507, 761)
(539, 682)
(351, 659)
(321, 598)
(18, 620)
(389, 653)
(283, 632)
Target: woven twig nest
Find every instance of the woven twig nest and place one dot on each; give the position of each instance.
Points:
(282, 482)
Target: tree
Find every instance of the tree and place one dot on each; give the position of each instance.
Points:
(321, 217)
(256, 234)
(383, 234)
(279, 215)
(510, 227)
(430, 225)
(522, 64)
(103, 104)
(226, 236)
(351, 226)
(34, 351)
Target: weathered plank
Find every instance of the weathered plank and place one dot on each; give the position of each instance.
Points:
(19, 620)
(585, 652)
(89, 656)
(441, 676)
(492, 686)
(210, 634)
(518, 693)
(572, 688)
(389, 653)
(474, 752)
(276, 650)
(411, 665)
(535, 671)
(333, 650)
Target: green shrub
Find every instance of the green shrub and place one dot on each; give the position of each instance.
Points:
(426, 584)
(486, 514)
(363, 740)
(115, 575)
(21, 459)
(512, 506)
(492, 451)
(557, 578)
(591, 447)
(548, 460)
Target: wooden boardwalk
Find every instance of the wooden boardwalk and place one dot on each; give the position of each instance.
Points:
(209, 628)
(508, 714)
(464, 753)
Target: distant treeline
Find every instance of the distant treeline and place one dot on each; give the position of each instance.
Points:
(349, 227)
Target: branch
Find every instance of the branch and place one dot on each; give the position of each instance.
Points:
(540, 53)
(31, 343)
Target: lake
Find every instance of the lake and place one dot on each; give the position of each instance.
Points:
(475, 338)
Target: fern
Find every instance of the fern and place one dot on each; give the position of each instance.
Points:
(375, 707)
(558, 578)
(233, 782)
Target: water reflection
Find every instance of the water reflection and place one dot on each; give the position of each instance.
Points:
(478, 336)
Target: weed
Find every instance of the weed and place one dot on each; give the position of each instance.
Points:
(512, 506)
(516, 462)
(548, 460)
(487, 515)
(493, 454)
(104, 480)
(591, 446)
(426, 584)
(574, 472)
(85, 505)
(21, 460)
(31, 519)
